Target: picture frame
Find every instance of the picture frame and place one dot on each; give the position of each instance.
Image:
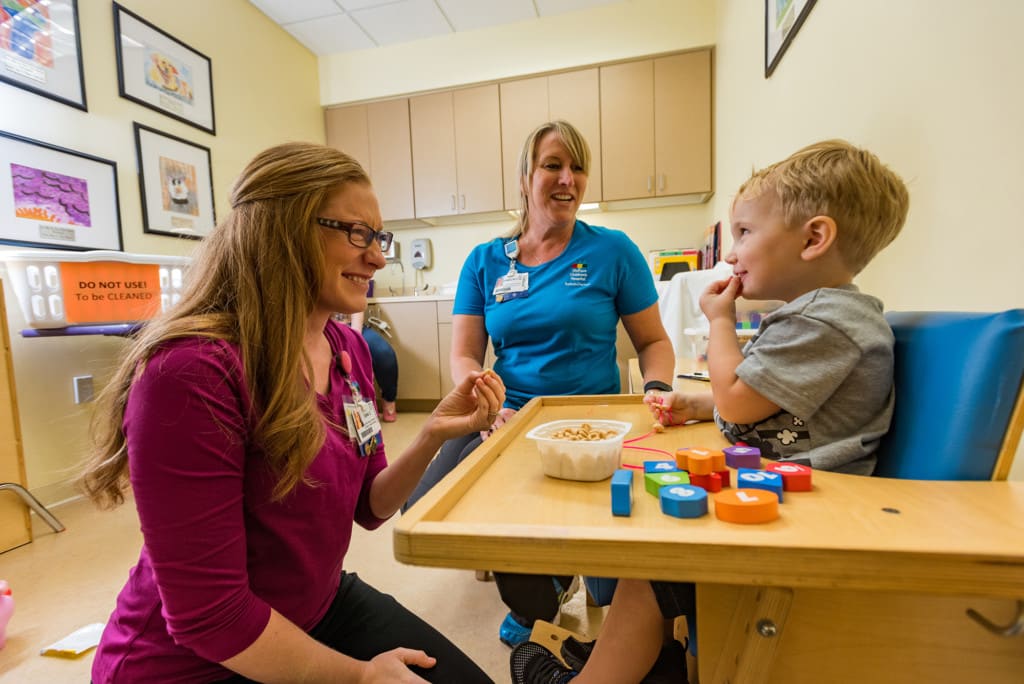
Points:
(57, 198)
(41, 49)
(158, 71)
(782, 20)
(175, 184)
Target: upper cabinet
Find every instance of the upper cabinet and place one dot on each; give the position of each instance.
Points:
(527, 103)
(377, 135)
(656, 126)
(456, 151)
(647, 121)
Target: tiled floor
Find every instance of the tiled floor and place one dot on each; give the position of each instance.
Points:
(64, 581)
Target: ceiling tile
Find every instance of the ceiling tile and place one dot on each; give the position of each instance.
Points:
(350, 5)
(548, 8)
(466, 15)
(402, 21)
(328, 35)
(289, 11)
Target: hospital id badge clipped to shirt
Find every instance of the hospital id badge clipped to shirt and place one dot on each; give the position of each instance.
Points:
(363, 426)
(512, 285)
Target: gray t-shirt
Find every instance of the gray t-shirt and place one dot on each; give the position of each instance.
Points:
(826, 359)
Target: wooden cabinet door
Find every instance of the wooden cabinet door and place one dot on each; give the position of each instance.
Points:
(431, 122)
(414, 325)
(627, 130)
(682, 123)
(347, 131)
(391, 158)
(15, 524)
(524, 106)
(478, 149)
(575, 96)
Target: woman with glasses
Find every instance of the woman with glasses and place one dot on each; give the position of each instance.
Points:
(243, 421)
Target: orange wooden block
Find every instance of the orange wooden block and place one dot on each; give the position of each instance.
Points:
(746, 506)
(698, 461)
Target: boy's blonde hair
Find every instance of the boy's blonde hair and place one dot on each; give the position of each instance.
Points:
(867, 200)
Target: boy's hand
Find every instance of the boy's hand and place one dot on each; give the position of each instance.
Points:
(676, 408)
(719, 299)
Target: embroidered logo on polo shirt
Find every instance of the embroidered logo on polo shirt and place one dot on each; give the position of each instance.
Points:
(577, 275)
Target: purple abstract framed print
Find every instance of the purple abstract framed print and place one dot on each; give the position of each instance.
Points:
(56, 198)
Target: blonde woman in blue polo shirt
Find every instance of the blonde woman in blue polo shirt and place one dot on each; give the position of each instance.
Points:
(549, 298)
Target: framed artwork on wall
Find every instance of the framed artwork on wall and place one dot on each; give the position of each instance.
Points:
(159, 71)
(782, 19)
(41, 49)
(176, 184)
(56, 198)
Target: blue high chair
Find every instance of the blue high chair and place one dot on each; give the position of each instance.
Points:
(959, 411)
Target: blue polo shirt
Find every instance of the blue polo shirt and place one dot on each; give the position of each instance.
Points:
(560, 337)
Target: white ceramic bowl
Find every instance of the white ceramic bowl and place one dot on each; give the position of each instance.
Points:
(588, 461)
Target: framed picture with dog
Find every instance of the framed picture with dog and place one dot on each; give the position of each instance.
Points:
(157, 70)
(175, 183)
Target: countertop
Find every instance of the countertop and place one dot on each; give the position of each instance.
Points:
(411, 298)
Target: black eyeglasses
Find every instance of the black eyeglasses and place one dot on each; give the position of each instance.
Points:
(360, 234)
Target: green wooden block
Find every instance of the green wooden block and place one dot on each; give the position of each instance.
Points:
(655, 481)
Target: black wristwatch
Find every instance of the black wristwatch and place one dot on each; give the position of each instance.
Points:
(657, 385)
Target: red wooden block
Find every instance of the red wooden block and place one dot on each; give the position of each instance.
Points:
(795, 477)
(724, 474)
(711, 483)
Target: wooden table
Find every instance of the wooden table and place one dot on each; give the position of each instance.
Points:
(863, 579)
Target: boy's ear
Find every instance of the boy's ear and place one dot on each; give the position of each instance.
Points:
(820, 234)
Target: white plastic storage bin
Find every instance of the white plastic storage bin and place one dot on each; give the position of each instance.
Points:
(58, 289)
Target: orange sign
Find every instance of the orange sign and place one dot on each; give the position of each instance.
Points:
(109, 291)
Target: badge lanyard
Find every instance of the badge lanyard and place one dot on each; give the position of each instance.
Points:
(360, 414)
(513, 284)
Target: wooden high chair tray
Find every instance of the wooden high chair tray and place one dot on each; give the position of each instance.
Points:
(498, 511)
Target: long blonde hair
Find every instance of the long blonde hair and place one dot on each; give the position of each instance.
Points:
(574, 142)
(253, 283)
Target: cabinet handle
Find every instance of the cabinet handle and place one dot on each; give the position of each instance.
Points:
(463, 197)
(453, 202)
(661, 182)
(650, 184)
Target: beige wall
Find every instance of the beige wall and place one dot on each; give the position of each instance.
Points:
(265, 91)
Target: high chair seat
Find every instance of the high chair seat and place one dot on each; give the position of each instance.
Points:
(958, 411)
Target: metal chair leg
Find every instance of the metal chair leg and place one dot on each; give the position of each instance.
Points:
(1013, 628)
(34, 504)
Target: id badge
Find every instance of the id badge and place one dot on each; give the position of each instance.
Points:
(512, 285)
(363, 426)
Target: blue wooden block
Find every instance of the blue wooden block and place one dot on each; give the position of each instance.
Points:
(760, 479)
(622, 492)
(660, 466)
(683, 501)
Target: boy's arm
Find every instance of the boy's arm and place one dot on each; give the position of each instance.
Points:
(735, 400)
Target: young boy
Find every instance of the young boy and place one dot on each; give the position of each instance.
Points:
(814, 386)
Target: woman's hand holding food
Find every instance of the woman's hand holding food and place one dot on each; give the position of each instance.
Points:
(473, 405)
(504, 415)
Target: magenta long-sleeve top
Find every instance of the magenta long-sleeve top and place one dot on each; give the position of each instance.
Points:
(218, 553)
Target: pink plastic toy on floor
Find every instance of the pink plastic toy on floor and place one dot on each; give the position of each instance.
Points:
(6, 610)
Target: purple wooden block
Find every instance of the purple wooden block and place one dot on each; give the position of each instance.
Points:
(742, 457)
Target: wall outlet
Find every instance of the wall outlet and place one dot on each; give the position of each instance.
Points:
(82, 385)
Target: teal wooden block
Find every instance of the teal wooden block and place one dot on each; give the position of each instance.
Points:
(622, 492)
(760, 479)
(682, 501)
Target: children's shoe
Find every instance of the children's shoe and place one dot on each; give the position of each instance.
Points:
(512, 632)
(531, 663)
(390, 414)
(575, 653)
